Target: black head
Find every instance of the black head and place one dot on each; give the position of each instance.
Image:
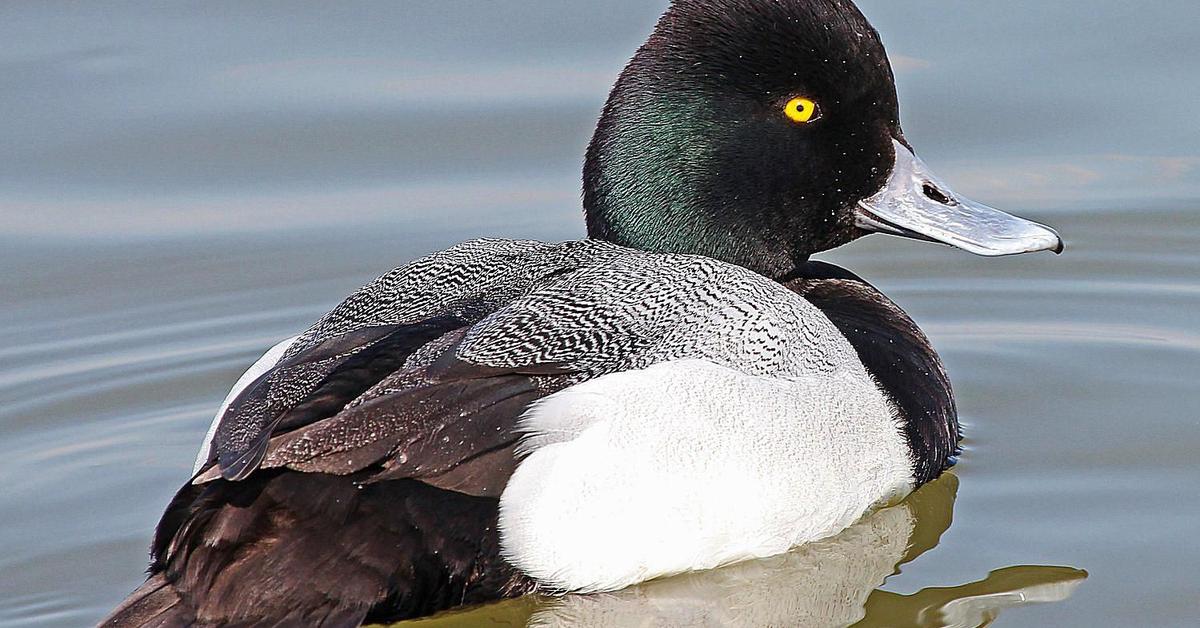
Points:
(696, 151)
(762, 131)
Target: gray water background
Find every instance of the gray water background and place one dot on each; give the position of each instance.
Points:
(183, 184)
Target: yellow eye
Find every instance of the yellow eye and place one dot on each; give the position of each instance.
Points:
(801, 110)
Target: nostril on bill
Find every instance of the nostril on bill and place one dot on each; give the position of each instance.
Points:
(936, 195)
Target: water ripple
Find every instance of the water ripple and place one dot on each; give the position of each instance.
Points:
(1067, 332)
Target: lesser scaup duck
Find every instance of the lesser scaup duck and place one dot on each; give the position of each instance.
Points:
(681, 391)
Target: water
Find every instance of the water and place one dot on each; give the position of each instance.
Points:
(182, 184)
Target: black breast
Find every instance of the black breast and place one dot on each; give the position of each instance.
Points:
(897, 354)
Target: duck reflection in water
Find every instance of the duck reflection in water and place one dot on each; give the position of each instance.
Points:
(830, 583)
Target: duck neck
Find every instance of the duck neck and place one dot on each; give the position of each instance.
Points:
(656, 181)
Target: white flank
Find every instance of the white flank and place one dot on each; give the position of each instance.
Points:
(689, 465)
(263, 365)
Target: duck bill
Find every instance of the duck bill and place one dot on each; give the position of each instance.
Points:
(916, 204)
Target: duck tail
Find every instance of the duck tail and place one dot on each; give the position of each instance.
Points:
(284, 548)
(155, 604)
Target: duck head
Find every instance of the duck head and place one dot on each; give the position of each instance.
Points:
(760, 132)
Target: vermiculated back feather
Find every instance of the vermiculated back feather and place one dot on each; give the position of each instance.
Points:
(580, 309)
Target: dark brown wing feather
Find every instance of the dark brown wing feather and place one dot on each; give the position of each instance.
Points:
(420, 421)
(315, 384)
(422, 430)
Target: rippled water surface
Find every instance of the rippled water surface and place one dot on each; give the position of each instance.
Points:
(183, 184)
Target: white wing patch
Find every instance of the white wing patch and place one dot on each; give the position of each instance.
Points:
(689, 465)
(264, 364)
